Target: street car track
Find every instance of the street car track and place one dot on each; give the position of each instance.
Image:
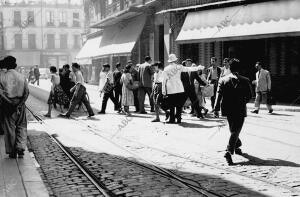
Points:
(96, 132)
(194, 186)
(91, 177)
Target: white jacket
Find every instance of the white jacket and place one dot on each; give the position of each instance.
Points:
(172, 78)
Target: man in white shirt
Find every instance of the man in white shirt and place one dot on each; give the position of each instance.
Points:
(263, 88)
(172, 87)
(226, 67)
(106, 86)
(214, 74)
(80, 94)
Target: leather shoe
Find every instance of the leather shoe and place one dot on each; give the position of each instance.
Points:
(228, 158)
(238, 151)
(64, 116)
(171, 122)
(156, 120)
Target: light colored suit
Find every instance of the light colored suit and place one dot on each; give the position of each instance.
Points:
(263, 86)
(263, 81)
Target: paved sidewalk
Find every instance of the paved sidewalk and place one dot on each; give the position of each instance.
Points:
(19, 177)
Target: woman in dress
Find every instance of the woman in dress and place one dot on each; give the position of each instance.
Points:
(127, 94)
(57, 95)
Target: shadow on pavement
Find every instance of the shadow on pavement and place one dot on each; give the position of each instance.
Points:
(278, 114)
(193, 125)
(255, 161)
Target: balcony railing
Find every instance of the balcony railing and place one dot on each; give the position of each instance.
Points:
(103, 10)
(120, 5)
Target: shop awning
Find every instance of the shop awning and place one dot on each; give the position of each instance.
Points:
(260, 20)
(119, 39)
(88, 51)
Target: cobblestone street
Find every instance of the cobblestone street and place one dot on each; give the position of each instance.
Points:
(194, 150)
(149, 98)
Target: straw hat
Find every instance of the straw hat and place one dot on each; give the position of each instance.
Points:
(172, 58)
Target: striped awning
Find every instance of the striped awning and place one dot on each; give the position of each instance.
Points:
(260, 20)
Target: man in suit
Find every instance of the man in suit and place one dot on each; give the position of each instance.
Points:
(214, 73)
(188, 79)
(234, 92)
(117, 85)
(145, 74)
(262, 87)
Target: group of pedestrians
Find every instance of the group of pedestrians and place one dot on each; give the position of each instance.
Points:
(68, 90)
(174, 84)
(13, 95)
(168, 88)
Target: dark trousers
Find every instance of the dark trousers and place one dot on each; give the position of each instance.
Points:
(106, 96)
(235, 127)
(14, 124)
(80, 96)
(141, 95)
(136, 100)
(1, 130)
(195, 102)
(213, 98)
(37, 79)
(176, 101)
(118, 97)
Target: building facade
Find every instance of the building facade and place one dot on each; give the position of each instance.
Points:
(45, 33)
(250, 30)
